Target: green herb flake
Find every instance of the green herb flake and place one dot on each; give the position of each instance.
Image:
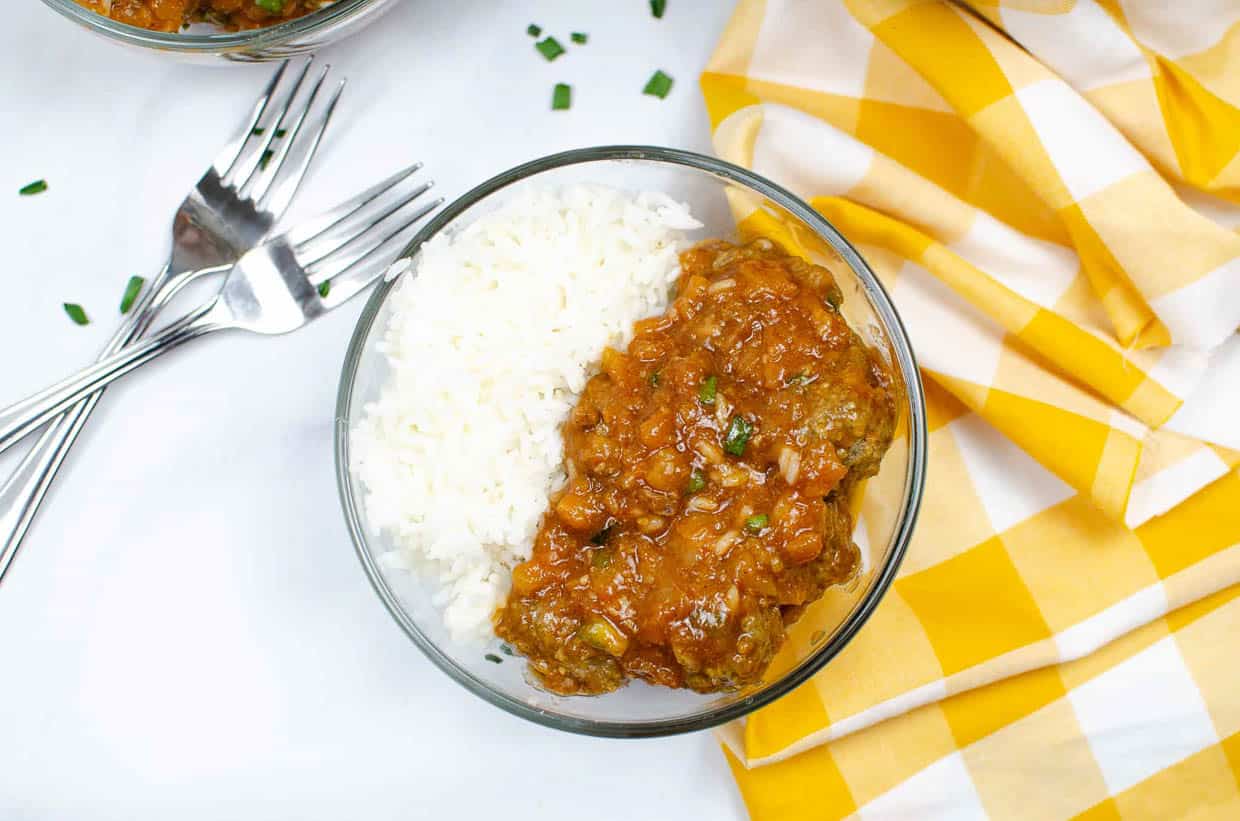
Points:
(533, 30)
(132, 289)
(280, 132)
(506, 649)
(659, 85)
(601, 559)
(325, 288)
(266, 158)
(655, 378)
(697, 481)
(76, 313)
(30, 189)
(494, 659)
(737, 436)
(797, 379)
(755, 523)
(258, 131)
(273, 6)
(657, 7)
(561, 97)
(706, 393)
(549, 48)
(579, 37)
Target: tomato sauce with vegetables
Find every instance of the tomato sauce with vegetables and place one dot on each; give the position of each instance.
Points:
(171, 15)
(709, 469)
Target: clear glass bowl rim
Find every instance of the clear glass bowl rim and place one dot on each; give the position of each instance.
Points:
(251, 39)
(914, 478)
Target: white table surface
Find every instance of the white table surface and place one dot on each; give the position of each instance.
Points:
(187, 632)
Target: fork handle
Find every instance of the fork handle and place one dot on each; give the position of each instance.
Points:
(20, 418)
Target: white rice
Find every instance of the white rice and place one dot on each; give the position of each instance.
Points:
(492, 339)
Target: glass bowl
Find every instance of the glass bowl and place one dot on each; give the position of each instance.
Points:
(298, 36)
(717, 192)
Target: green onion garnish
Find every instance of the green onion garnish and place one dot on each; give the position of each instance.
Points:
(549, 48)
(76, 313)
(657, 7)
(533, 30)
(258, 131)
(755, 523)
(36, 187)
(132, 289)
(266, 158)
(697, 481)
(797, 379)
(579, 37)
(658, 85)
(561, 97)
(273, 6)
(494, 659)
(739, 431)
(706, 393)
(280, 132)
(653, 379)
(325, 288)
(506, 649)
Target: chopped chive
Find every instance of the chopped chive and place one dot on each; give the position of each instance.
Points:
(579, 37)
(755, 523)
(325, 288)
(273, 6)
(549, 48)
(797, 379)
(132, 289)
(706, 393)
(657, 7)
(697, 481)
(533, 30)
(494, 659)
(30, 189)
(659, 85)
(654, 378)
(561, 97)
(76, 313)
(280, 132)
(737, 436)
(258, 131)
(601, 559)
(506, 649)
(266, 158)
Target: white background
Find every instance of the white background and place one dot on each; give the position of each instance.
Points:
(186, 632)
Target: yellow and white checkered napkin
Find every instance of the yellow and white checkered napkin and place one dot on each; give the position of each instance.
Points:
(1048, 190)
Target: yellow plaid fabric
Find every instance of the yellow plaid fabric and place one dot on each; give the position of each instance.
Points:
(1048, 190)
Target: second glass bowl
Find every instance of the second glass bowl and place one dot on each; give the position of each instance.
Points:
(298, 36)
(715, 192)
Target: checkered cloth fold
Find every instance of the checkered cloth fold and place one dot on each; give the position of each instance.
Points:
(1048, 190)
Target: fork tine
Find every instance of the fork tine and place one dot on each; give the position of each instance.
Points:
(231, 151)
(258, 185)
(355, 276)
(280, 189)
(312, 229)
(312, 253)
(252, 158)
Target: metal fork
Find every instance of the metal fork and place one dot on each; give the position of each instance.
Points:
(275, 288)
(244, 192)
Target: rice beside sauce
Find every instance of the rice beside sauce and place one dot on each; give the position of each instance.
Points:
(492, 338)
